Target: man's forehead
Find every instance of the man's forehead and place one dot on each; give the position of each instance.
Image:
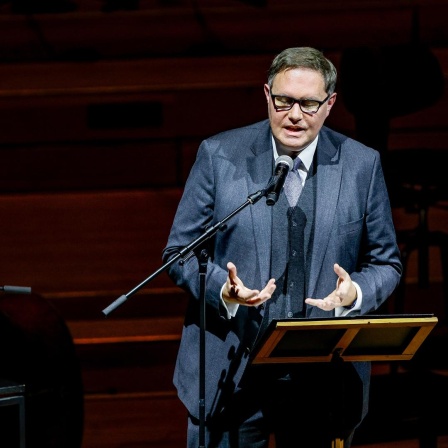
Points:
(300, 77)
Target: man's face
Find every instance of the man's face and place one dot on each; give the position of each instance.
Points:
(294, 130)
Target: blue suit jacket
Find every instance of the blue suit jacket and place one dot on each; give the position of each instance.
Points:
(353, 227)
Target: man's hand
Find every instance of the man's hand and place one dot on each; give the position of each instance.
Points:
(343, 295)
(234, 290)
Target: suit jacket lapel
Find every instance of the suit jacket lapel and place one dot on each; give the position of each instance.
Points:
(329, 175)
(260, 166)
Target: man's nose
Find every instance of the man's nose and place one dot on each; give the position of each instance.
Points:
(295, 113)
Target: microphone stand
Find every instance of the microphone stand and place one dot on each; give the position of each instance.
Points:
(203, 255)
(185, 253)
(16, 289)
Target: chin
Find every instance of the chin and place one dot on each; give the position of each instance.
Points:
(294, 144)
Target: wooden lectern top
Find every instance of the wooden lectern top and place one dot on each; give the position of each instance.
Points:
(358, 338)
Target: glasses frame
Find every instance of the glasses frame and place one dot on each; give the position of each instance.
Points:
(299, 102)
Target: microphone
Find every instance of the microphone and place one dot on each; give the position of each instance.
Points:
(283, 165)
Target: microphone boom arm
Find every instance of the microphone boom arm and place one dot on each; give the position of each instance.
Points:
(186, 251)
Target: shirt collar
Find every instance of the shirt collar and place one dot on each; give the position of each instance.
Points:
(306, 155)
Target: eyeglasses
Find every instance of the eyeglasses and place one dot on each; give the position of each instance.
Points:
(283, 103)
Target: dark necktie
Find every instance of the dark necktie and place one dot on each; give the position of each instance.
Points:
(293, 184)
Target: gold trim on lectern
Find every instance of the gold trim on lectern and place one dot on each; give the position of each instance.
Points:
(362, 338)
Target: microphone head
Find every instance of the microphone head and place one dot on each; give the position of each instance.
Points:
(284, 160)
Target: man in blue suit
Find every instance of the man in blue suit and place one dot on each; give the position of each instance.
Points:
(327, 250)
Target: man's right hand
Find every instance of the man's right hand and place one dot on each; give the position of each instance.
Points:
(234, 290)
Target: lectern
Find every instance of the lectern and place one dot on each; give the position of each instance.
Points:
(358, 338)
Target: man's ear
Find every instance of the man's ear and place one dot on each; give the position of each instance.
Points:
(331, 101)
(267, 92)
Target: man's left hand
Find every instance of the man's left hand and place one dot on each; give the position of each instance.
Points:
(343, 295)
